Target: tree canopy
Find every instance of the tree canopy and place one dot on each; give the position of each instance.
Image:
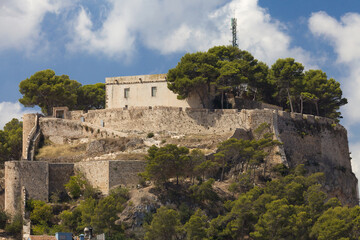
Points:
(11, 141)
(216, 72)
(47, 90)
(223, 72)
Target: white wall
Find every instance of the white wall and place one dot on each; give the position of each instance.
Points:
(140, 94)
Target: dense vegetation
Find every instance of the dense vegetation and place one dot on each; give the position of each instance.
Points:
(261, 201)
(11, 141)
(47, 90)
(225, 71)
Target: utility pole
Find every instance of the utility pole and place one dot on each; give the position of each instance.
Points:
(233, 29)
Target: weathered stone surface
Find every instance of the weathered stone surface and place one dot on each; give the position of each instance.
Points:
(317, 142)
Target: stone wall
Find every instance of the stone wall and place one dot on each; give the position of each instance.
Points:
(125, 172)
(319, 143)
(96, 172)
(34, 176)
(28, 126)
(105, 175)
(41, 179)
(59, 174)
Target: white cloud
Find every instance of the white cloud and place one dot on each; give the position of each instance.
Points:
(355, 155)
(20, 22)
(178, 26)
(10, 110)
(344, 36)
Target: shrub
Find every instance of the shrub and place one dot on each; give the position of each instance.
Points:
(150, 135)
(15, 227)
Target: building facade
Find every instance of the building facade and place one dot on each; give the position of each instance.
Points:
(144, 91)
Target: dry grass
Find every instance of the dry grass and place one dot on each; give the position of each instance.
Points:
(55, 151)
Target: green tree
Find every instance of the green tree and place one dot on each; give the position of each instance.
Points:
(323, 95)
(164, 226)
(335, 223)
(11, 141)
(194, 74)
(91, 96)
(47, 90)
(196, 227)
(79, 186)
(288, 76)
(166, 162)
(204, 192)
(238, 67)
(219, 71)
(41, 213)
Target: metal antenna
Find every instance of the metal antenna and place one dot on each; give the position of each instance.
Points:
(233, 29)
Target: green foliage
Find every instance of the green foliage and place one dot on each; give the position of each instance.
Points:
(150, 135)
(247, 154)
(41, 213)
(223, 68)
(196, 227)
(322, 96)
(223, 72)
(242, 184)
(11, 141)
(337, 223)
(91, 97)
(3, 219)
(204, 192)
(287, 75)
(165, 162)
(47, 90)
(100, 214)
(194, 74)
(15, 226)
(164, 226)
(78, 186)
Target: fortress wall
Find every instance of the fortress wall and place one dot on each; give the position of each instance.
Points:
(317, 142)
(60, 130)
(125, 172)
(168, 119)
(96, 172)
(59, 175)
(31, 175)
(322, 146)
(28, 125)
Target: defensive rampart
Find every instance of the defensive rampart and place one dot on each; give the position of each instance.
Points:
(319, 143)
(41, 179)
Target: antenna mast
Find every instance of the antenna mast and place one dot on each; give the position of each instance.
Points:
(233, 29)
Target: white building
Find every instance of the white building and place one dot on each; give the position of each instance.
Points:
(144, 91)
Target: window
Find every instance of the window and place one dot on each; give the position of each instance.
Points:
(153, 91)
(126, 92)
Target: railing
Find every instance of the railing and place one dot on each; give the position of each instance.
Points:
(33, 139)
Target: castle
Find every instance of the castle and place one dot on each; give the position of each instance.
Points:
(136, 106)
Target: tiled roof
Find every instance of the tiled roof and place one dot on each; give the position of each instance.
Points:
(42, 237)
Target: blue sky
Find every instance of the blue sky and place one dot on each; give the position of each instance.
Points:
(93, 39)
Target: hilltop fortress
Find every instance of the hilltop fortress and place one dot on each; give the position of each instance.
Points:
(138, 105)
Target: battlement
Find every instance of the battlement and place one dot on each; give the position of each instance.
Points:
(136, 79)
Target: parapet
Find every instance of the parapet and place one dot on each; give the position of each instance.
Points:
(136, 79)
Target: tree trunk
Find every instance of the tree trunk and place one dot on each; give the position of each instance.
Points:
(301, 104)
(317, 108)
(291, 106)
(222, 99)
(222, 171)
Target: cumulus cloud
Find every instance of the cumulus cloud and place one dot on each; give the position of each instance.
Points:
(344, 36)
(10, 110)
(178, 26)
(20, 22)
